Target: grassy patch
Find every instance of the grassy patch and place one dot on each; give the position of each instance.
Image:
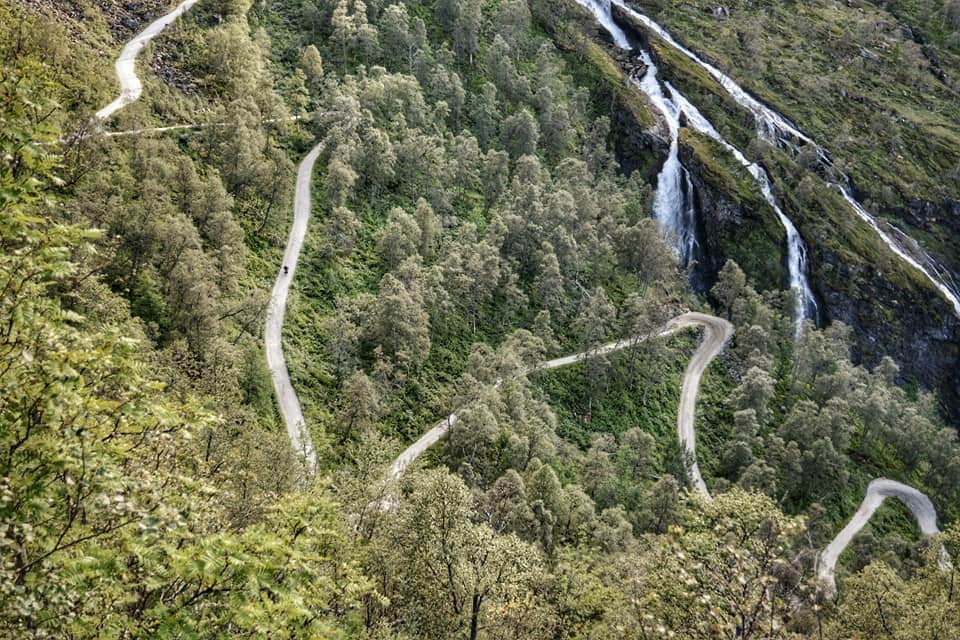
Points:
(626, 397)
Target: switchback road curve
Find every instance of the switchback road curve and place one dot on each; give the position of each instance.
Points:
(126, 65)
(717, 333)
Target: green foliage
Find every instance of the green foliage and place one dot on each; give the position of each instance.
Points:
(811, 426)
(878, 601)
(469, 219)
(455, 571)
(637, 392)
(727, 572)
(48, 64)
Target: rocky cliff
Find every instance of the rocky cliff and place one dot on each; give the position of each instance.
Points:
(892, 310)
(735, 222)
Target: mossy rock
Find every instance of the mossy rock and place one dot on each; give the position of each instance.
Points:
(737, 222)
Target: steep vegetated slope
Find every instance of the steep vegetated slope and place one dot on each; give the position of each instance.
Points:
(138, 422)
(882, 98)
(877, 82)
(482, 201)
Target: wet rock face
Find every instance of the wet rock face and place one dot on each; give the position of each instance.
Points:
(635, 146)
(726, 227)
(719, 217)
(933, 217)
(733, 228)
(921, 334)
(928, 215)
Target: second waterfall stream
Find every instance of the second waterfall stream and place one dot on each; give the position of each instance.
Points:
(674, 199)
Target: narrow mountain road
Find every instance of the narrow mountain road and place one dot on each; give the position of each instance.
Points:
(716, 334)
(172, 127)
(131, 89)
(878, 491)
(276, 312)
(130, 85)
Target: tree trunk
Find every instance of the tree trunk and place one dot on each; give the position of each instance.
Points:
(475, 615)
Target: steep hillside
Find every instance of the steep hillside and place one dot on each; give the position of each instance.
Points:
(552, 350)
(876, 82)
(893, 307)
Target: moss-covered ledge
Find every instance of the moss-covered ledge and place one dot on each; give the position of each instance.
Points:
(737, 222)
(637, 138)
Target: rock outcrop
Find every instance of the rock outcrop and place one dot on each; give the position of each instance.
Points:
(124, 18)
(735, 222)
(916, 328)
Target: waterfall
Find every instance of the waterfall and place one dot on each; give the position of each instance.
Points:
(601, 9)
(673, 201)
(674, 204)
(928, 267)
(777, 129)
(689, 222)
(798, 263)
(771, 125)
(798, 260)
(674, 207)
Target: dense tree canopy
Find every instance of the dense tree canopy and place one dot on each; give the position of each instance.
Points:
(470, 219)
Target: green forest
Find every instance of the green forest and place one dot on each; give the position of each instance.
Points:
(480, 204)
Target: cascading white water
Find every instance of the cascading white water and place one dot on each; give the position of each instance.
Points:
(601, 10)
(777, 129)
(688, 221)
(674, 202)
(798, 265)
(770, 125)
(951, 293)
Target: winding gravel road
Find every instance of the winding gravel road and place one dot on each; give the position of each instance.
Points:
(878, 491)
(130, 85)
(131, 89)
(716, 334)
(276, 312)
